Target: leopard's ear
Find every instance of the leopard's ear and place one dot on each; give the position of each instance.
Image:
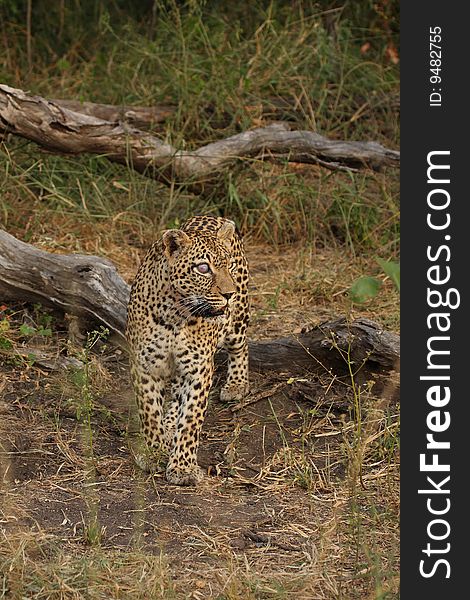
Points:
(174, 242)
(226, 231)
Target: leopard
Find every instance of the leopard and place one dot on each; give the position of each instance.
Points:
(188, 299)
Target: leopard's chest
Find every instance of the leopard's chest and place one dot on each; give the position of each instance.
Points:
(195, 337)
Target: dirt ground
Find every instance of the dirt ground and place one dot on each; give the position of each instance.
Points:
(300, 498)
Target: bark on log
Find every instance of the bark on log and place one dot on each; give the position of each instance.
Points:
(142, 117)
(59, 129)
(90, 287)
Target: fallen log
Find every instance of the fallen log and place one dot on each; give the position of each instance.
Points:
(59, 129)
(91, 288)
(87, 286)
(329, 346)
(48, 360)
(271, 108)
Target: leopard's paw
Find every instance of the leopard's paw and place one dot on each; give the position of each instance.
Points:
(150, 460)
(234, 392)
(179, 476)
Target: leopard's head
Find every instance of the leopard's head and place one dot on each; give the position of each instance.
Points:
(201, 270)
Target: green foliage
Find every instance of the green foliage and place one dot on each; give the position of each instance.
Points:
(392, 269)
(5, 342)
(28, 331)
(366, 288)
(14, 334)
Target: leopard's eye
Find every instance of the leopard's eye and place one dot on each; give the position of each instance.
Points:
(203, 268)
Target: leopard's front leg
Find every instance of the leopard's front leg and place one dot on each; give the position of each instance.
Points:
(237, 385)
(149, 392)
(196, 380)
(172, 409)
(149, 372)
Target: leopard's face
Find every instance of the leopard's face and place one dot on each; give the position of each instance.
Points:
(201, 273)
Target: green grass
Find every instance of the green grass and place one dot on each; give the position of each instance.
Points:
(205, 57)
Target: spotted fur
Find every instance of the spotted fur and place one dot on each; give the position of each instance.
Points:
(189, 298)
